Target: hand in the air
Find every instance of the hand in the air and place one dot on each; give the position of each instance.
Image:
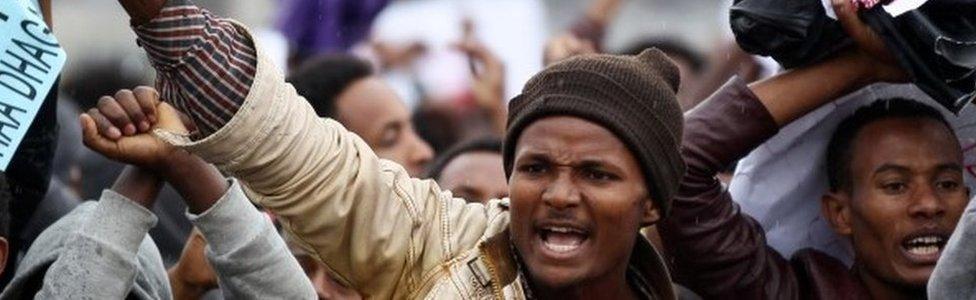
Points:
(120, 128)
(871, 47)
(565, 46)
(488, 71)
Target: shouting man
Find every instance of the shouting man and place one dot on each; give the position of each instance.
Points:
(591, 155)
(895, 177)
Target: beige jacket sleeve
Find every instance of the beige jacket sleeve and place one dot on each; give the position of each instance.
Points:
(380, 231)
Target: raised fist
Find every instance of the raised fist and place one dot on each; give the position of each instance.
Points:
(120, 128)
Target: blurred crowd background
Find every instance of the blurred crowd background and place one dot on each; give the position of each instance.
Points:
(95, 35)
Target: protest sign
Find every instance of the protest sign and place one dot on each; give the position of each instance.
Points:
(30, 61)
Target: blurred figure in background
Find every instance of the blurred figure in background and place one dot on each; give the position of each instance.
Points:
(315, 27)
(691, 64)
(344, 88)
(325, 286)
(472, 170)
(480, 111)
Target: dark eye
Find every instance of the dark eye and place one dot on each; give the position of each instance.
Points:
(947, 185)
(893, 188)
(598, 175)
(533, 168)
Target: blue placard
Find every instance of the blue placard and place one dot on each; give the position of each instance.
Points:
(30, 61)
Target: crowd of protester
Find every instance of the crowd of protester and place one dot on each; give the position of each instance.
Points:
(607, 177)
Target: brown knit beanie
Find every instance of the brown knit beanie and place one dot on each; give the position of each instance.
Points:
(632, 96)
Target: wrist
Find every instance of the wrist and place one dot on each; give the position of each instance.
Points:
(174, 165)
(142, 11)
(139, 185)
(199, 183)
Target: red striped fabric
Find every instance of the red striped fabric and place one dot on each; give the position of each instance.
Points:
(205, 65)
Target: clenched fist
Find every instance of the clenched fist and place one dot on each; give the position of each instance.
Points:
(120, 128)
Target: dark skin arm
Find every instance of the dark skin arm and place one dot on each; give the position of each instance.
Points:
(112, 129)
(200, 184)
(46, 11)
(142, 11)
(139, 185)
(793, 94)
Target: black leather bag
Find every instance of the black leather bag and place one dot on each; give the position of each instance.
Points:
(936, 42)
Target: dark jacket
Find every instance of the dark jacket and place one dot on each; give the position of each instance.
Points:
(720, 252)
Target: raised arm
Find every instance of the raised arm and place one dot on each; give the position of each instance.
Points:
(234, 229)
(205, 64)
(328, 186)
(100, 257)
(718, 250)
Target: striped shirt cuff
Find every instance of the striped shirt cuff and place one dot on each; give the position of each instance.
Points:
(206, 64)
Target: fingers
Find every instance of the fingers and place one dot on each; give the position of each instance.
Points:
(855, 28)
(127, 100)
(111, 110)
(478, 52)
(126, 113)
(92, 138)
(148, 99)
(103, 125)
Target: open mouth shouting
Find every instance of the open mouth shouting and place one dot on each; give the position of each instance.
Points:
(561, 240)
(924, 247)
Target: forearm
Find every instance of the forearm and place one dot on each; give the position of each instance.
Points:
(795, 93)
(138, 185)
(100, 257)
(717, 250)
(205, 64)
(236, 231)
(46, 11)
(200, 184)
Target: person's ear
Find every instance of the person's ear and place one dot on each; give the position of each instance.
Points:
(836, 208)
(650, 214)
(4, 249)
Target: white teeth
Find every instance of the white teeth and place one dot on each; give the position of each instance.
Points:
(925, 240)
(926, 250)
(560, 248)
(562, 230)
(562, 239)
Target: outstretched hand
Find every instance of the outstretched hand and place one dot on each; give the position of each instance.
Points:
(120, 128)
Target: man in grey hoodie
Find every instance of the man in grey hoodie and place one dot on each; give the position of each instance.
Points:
(101, 250)
(954, 276)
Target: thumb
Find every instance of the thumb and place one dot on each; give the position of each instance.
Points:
(169, 119)
(93, 140)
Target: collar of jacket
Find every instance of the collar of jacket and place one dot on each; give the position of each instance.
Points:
(646, 270)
